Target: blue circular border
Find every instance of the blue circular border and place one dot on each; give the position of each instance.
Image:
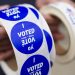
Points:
(34, 63)
(18, 41)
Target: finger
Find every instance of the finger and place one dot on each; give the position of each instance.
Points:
(57, 36)
(3, 7)
(3, 33)
(59, 49)
(6, 55)
(5, 42)
(52, 20)
(5, 48)
(40, 3)
(53, 28)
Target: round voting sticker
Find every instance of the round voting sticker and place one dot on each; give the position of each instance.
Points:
(14, 13)
(27, 37)
(48, 39)
(35, 12)
(35, 65)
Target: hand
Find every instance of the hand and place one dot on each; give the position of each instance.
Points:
(6, 50)
(52, 21)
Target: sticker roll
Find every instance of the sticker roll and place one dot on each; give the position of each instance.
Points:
(31, 42)
(66, 14)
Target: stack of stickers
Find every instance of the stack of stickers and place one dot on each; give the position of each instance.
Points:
(31, 39)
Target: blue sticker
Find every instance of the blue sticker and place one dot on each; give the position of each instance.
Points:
(14, 13)
(27, 37)
(35, 12)
(35, 65)
(48, 39)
